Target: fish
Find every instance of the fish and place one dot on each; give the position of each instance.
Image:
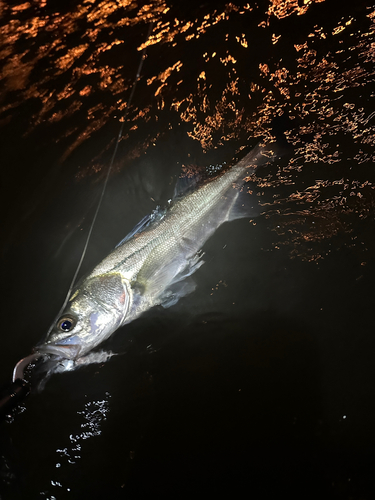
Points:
(153, 265)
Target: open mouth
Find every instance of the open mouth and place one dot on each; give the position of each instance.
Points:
(65, 351)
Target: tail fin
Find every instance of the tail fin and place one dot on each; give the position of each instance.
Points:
(258, 157)
(246, 203)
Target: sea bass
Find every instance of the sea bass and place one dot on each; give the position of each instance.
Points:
(152, 265)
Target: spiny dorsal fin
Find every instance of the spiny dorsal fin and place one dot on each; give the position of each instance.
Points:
(186, 184)
(155, 215)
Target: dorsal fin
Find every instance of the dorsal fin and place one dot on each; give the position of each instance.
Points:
(185, 184)
(156, 214)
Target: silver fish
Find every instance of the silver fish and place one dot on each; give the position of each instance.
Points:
(152, 265)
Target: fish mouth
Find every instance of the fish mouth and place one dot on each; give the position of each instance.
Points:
(64, 351)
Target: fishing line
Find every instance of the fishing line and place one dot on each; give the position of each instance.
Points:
(136, 79)
(19, 387)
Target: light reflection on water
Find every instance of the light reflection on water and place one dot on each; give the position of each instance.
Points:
(93, 415)
(320, 77)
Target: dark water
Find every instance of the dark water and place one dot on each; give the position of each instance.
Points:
(261, 382)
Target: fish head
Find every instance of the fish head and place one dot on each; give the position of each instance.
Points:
(94, 311)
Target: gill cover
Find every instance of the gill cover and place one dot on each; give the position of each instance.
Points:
(95, 310)
(108, 291)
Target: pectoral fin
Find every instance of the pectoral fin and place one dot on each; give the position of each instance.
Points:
(162, 277)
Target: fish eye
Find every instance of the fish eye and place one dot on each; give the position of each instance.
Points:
(66, 323)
